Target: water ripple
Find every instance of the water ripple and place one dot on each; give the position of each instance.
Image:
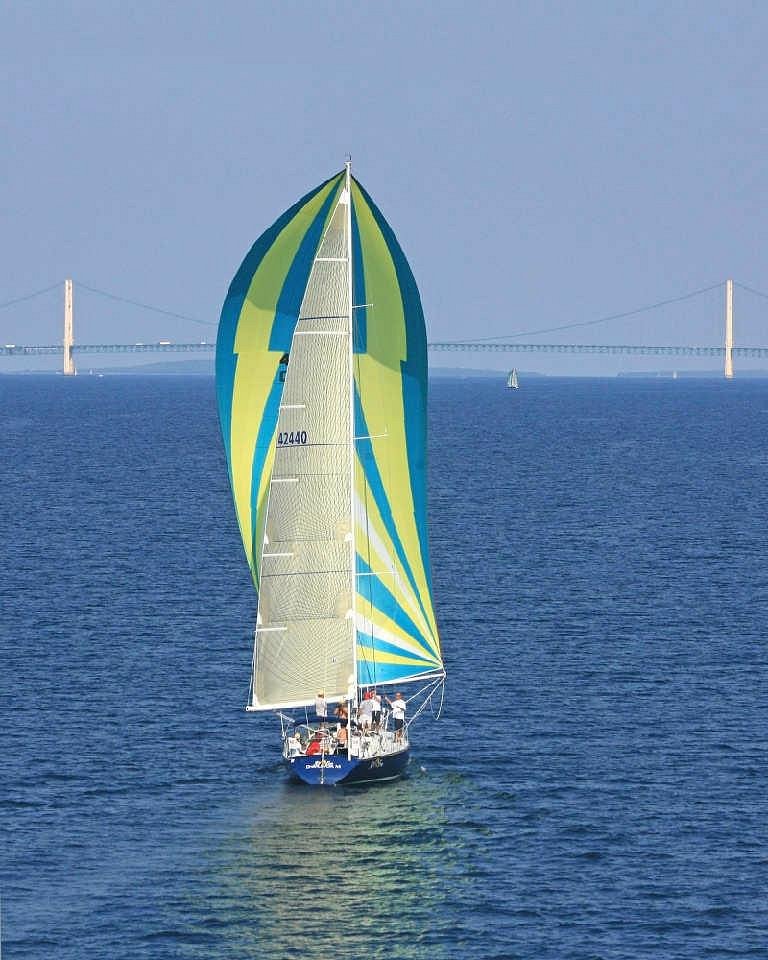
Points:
(595, 789)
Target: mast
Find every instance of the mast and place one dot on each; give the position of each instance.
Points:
(353, 547)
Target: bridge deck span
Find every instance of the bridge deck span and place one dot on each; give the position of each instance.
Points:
(12, 350)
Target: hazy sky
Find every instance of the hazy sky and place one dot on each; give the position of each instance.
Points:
(541, 163)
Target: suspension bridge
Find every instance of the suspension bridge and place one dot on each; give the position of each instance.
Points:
(726, 353)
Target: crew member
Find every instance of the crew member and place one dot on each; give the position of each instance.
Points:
(398, 706)
(321, 706)
(295, 748)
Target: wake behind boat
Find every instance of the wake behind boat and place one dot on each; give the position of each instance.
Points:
(321, 377)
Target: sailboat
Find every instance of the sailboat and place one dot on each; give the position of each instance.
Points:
(321, 379)
(512, 380)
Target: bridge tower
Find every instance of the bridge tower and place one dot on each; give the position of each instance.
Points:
(729, 329)
(69, 335)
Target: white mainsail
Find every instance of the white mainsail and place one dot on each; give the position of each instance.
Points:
(305, 626)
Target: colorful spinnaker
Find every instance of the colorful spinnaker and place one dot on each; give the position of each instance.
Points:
(321, 377)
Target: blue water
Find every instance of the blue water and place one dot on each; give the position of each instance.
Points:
(595, 789)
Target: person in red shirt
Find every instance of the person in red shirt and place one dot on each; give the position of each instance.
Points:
(316, 744)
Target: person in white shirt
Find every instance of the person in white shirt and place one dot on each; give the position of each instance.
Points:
(376, 710)
(365, 713)
(399, 707)
(295, 748)
(321, 706)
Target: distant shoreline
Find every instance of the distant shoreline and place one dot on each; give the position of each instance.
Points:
(191, 369)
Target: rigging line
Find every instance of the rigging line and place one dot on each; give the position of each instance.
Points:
(589, 323)
(442, 698)
(432, 689)
(372, 672)
(743, 286)
(29, 296)
(144, 306)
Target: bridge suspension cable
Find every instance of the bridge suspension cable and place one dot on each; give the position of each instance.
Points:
(509, 336)
(30, 296)
(144, 306)
(743, 286)
(110, 296)
(590, 323)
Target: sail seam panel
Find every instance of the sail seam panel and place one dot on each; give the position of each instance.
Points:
(282, 327)
(387, 633)
(226, 360)
(374, 540)
(384, 600)
(394, 655)
(414, 383)
(387, 349)
(297, 278)
(376, 486)
(254, 384)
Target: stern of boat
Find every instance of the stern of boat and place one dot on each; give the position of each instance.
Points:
(320, 771)
(330, 770)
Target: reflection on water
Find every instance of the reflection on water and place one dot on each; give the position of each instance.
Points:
(320, 866)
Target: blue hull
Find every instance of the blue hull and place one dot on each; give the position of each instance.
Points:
(330, 770)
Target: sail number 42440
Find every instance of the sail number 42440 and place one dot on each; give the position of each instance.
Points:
(284, 438)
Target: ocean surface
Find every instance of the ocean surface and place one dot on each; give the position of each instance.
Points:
(595, 790)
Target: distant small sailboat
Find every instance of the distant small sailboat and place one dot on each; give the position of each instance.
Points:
(512, 380)
(321, 377)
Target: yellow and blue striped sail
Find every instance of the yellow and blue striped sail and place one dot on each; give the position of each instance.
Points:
(396, 632)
